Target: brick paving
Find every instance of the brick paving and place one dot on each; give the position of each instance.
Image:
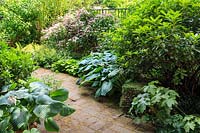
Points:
(91, 116)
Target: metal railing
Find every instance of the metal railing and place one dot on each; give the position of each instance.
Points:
(118, 12)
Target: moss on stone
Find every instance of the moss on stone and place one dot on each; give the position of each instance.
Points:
(129, 91)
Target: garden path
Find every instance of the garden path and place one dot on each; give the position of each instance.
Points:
(90, 116)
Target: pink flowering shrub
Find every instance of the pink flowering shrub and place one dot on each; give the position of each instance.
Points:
(78, 32)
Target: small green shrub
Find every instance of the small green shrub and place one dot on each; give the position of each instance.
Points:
(41, 54)
(78, 33)
(69, 66)
(159, 105)
(22, 107)
(14, 64)
(99, 70)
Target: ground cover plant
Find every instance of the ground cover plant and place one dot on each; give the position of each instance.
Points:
(69, 66)
(47, 57)
(99, 70)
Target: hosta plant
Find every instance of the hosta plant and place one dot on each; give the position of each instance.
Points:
(99, 70)
(22, 107)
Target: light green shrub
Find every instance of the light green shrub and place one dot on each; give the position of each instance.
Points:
(14, 65)
(41, 54)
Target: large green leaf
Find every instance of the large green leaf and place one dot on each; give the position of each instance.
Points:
(20, 117)
(42, 111)
(4, 101)
(21, 94)
(87, 68)
(105, 88)
(39, 88)
(66, 111)
(113, 73)
(44, 100)
(60, 95)
(4, 124)
(51, 125)
(55, 108)
(45, 111)
(1, 113)
(93, 76)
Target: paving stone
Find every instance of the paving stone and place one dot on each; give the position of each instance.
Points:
(120, 129)
(108, 131)
(98, 125)
(90, 121)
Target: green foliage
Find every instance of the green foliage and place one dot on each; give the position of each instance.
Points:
(69, 66)
(14, 65)
(157, 104)
(160, 41)
(23, 20)
(115, 3)
(23, 106)
(41, 54)
(78, 32)
(158, 99)
(19, 20)
(99, 70)
(51, 81)
(33, 130)
(77, 4)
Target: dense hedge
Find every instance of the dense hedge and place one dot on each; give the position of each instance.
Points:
(160, 40)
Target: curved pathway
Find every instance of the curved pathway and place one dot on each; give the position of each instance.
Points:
(90, 116)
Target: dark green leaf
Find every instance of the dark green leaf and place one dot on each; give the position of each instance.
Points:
(113, 73)
(44, 100)
(51, 125)
(4, 124)
(66, 111)
(60, 95)
(1, 113)
(20, 117)
(105, 88)
(42, 111)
